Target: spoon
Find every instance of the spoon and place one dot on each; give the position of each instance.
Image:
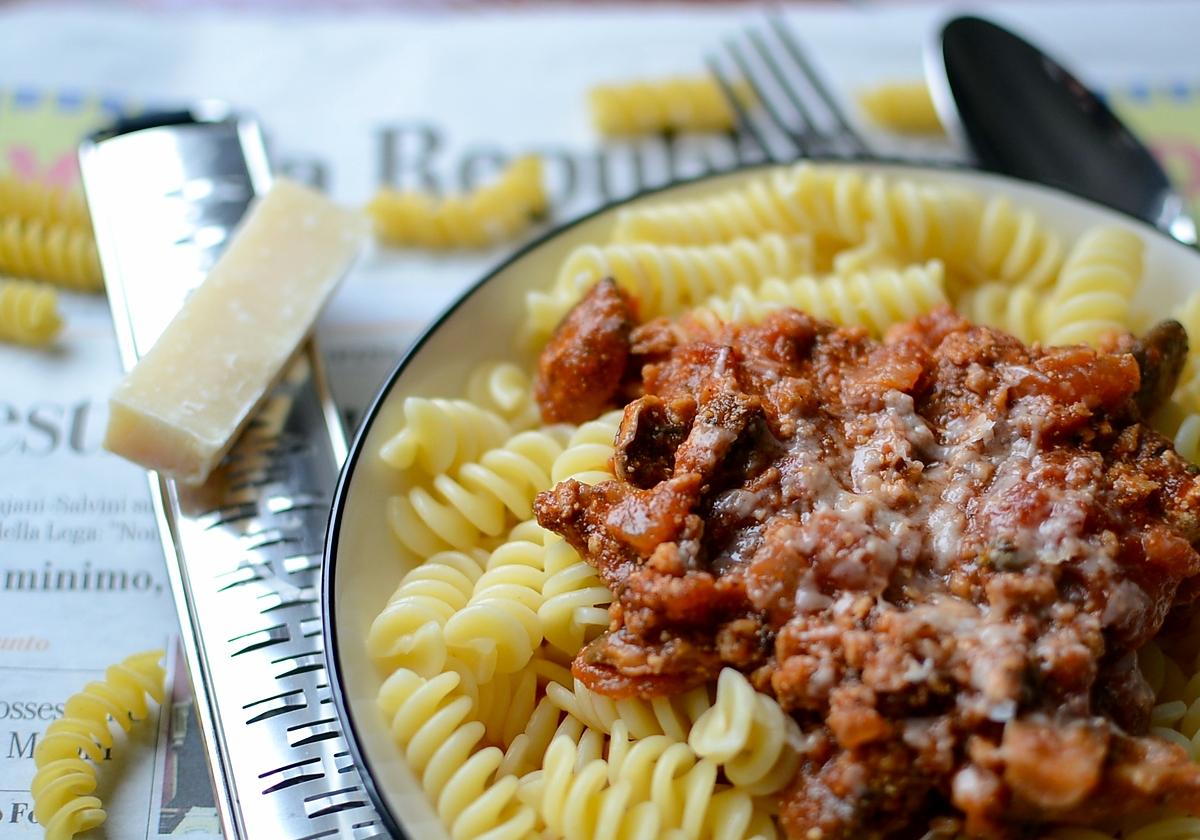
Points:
(1025, 115)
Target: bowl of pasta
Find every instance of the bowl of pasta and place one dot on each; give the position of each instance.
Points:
(815, 501)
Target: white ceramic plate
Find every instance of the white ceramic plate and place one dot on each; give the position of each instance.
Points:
(361, 566)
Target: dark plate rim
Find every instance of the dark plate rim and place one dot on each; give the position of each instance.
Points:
(333, 530)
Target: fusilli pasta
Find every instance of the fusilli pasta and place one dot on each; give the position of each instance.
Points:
(1092, 295)
(875, 299)
(914, 220)
(497, 630)
(49, 251)
(574, 607)
(1013, 246)
(909, 220)
(491, 214)
(440, 435)
(408, 632)
(1014, 309)
(754, 741)
(31, 200)
(507, 390)
(1187, 438)
(588, 453)
(744, 213)
(430, 721)
(28, 313)
(481, 497)
(1187, 395)
(904, 107)
(655, 788)
(667, 279)
(669, 716)
(67, 754)
(679, 103)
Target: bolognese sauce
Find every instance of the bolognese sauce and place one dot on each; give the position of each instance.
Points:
(939, 552)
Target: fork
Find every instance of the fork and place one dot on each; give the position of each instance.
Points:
(796, 120)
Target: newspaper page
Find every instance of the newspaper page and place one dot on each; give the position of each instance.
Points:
(352, 103)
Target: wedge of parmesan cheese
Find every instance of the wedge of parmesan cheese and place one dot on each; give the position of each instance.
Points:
(183, 404)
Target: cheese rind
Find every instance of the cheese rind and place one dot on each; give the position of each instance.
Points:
(183, 404)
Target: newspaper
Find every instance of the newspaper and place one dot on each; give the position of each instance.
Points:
(352, 103)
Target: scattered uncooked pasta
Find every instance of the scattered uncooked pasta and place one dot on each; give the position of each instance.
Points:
(28, 313)
(50, 251)
(491, 214)
(680, 104)
(902, 107)
(33, 200)
(68, 753)
(478, 638)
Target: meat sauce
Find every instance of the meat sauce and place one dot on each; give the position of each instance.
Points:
(940, 553)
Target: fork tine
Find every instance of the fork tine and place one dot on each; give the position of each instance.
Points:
(743, 114)
(800, 138)
(814, 79)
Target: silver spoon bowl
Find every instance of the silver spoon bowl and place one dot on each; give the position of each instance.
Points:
(1025, 115)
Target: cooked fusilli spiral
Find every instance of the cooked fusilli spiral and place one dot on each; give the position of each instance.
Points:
(1187, 438)
(65, 777)
(655, 788)
(913, 220)
(676, 104)
(1092, 295)
(490, 214)
(430, 723)
(869, 254)
(505, 705)
(670, 716)
(441, 435)
(874, 299)
(30, 200)
(587, 457)
(1176, 719)
(408, 632)
(1187, 394)
(1013, 309)
(746, 212)
(575, 600)
(904, 218)
(28, 313)
(498, 630)
(1014, 246)
(920, 221)
(483, 496)
(667, 279)
(506, 389)
(745, 731)
(48, 251)
(528, 748)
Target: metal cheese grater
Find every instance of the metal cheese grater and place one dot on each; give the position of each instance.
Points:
(244, 550)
